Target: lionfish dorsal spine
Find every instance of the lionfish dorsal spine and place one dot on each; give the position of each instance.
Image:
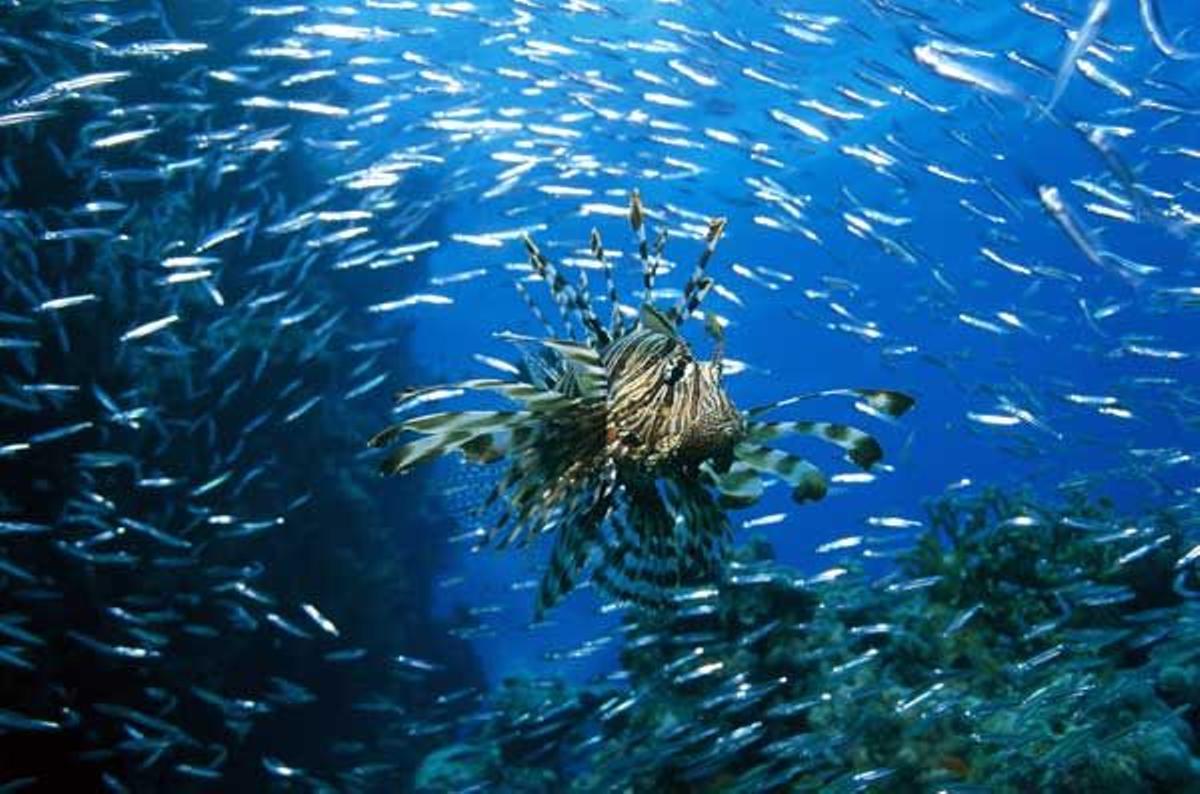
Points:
(616, 325)
(698, 284)
(637, 220)
(569, 299)
(534, 309)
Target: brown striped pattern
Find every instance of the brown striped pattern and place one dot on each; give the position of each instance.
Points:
(624, 445)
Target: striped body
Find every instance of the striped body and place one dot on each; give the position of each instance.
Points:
(666, 410)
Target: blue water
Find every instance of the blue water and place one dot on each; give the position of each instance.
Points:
(885, 230)
(784, 335)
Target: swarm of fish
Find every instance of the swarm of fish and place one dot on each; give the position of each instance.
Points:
(214, 218)
(164, 316)
(625, 445)
(963, 670)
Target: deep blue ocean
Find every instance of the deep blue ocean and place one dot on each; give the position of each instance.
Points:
(239, 239)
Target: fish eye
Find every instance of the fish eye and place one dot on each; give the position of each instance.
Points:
(678, 368)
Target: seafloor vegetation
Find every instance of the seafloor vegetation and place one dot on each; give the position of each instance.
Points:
(1017, 647)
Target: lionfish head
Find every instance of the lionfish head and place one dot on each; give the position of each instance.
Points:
(716, 426)
(668, 410)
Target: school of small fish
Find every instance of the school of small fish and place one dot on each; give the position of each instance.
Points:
(226, 227)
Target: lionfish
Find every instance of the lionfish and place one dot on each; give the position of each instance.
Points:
(623, 443)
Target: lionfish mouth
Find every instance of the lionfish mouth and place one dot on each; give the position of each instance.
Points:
(624, 444)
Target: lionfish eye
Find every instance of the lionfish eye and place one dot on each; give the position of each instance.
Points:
(678, 368)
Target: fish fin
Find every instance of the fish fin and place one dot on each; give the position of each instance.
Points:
(641, 559)
(654, 320)
(738, 486)
(443, 433)
(571, 301)
(702, 528)
(698, 284)
(881, 401)
(807, 481)
(576, 541)
(861, 447)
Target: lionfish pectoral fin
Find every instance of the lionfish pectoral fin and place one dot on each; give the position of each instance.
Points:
(860, 446)
(419, 451)
(386, 437)
(879, 402)
(443, 433)
(738, 486)
(641, 561)
(487, 447)
(704, 531)
(887, 401)
(807, 481)
(569, 557)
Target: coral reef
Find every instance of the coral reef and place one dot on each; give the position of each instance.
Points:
(1015, 647)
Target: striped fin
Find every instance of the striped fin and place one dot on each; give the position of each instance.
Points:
(386, 437)
(807, 481)
(697, 285)
(650, 261)
(583, 355)
(615, 326)
(462, 421)
(649, 565)
(421, 450)
(624, 574)
(569, 299)
(488, 447)
(442, 433)
(586, 371)
(693, 301)
(861, 447)
(888, 402)
(739, 486)
(704, 526)
(637, 221)
(656, 548)
(576, 541)
(554, 467)
(530, 396)
(654, 320)
(881, 401)
(656, 260)
(534, 309)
